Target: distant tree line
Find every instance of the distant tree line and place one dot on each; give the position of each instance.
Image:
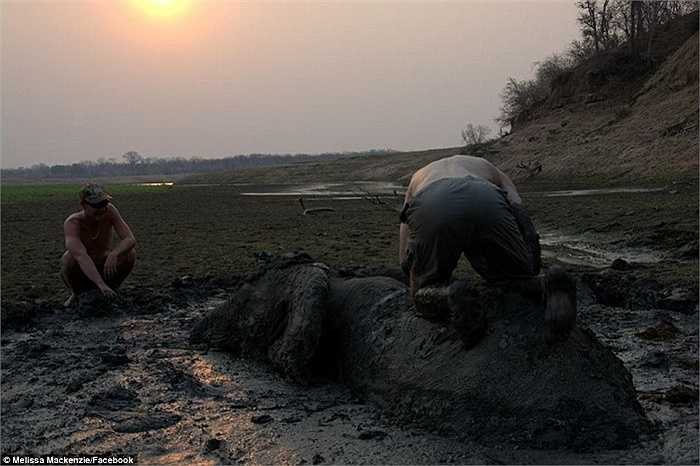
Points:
(133, 163)
(605, 25)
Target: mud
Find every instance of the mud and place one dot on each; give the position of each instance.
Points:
(129, 382)
(55, 361)
(169, 403)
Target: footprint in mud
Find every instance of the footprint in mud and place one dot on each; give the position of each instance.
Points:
(114, 399)
(31, 348)
(146, 422)
(682, 394)
(181, 381)
(662, 331)
(114, 356)
(82, 377)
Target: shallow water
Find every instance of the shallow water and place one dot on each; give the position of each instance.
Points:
(358, 189)
(379, 187)
(595, 192)
(352, 190)
(593, 251)
(160, 183)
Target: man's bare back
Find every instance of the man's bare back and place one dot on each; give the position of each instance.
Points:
(459, 166)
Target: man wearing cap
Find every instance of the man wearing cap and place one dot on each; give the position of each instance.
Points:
(465, 205)
(89, 262)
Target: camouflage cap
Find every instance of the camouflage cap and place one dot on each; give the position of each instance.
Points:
(93, 193)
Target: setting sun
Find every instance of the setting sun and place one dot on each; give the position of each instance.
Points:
(163, 8)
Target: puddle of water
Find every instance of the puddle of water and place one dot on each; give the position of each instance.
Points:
(360, 189)
(164, 183)
(342, 191)
(585, 250)
(594, 192)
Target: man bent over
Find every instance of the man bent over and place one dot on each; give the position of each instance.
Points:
(88, 262)
(465, 205)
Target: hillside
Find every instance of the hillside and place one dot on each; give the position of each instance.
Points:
(605, 122)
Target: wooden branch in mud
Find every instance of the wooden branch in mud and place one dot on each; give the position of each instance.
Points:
(314, 210)
(376, 200)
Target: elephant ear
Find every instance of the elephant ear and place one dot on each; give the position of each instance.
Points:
(306, 291)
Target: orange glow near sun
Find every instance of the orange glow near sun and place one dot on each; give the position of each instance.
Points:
(163, 8)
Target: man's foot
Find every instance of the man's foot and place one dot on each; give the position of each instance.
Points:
(560, 310)
(432, 302)
(71, 301)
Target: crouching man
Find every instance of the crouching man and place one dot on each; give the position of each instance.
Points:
(465, 205)
(89, 262)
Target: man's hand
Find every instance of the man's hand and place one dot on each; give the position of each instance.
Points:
(527, 229)
(110, 267)
(107, 292)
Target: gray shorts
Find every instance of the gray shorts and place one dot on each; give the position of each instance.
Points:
(469, 216)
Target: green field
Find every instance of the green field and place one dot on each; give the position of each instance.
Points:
(11, 193)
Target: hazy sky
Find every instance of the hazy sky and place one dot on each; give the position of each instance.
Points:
(90, 79)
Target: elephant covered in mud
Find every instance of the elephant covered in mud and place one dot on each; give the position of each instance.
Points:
(306, 319)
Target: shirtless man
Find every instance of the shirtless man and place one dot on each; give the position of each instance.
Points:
(89, 262)
(465, 205)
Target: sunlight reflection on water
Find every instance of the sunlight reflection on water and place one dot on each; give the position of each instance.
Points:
(162, 183)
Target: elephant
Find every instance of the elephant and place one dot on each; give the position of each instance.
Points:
(310, 321)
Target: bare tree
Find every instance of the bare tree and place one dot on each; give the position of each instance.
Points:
(133, 158)
(588, 19)
(598, 22)
(475, 134)
(636, 18)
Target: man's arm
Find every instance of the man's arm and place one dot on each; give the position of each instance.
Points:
(404, 231)
(127, 241)
(522, 217)
(75, 246)
(525, 225)
(504, 182)
(404, 261)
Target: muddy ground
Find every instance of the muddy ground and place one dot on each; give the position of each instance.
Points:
(128, 382)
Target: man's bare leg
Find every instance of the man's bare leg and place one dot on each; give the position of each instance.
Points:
(75, 280)
(68, 274)
(125, 264)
